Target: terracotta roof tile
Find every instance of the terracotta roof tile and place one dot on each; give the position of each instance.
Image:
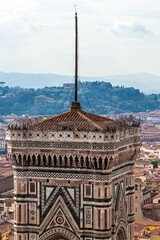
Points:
(4, 227)
(138, 225)
(148, 222)
(137, 171)
(73, 120)
(157, 205)
(136, 234)
(155, 232)
(157, 196)
(148, 206)
(9, 193)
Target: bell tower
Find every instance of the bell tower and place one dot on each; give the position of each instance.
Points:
(73, 174)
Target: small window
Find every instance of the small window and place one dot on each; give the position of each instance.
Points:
(32, 187)
(68, 135)
(136, 187)
(88, 190)
(37, 135)
(20, 213)
(105, 218)
(99, 218)
(99, 192)
(106, 192)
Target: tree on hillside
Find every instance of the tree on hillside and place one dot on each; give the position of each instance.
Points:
(97, 97)
(2, 83)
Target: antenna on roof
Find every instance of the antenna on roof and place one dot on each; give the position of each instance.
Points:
(76, 54)
(76, 104)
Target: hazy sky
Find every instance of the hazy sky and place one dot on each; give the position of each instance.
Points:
(115, 36)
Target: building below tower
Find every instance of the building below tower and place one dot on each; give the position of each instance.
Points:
(74, 176)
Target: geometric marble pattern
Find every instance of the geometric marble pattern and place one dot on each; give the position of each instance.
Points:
(58, 232)
(60, 216)
(80, 176)
(69, 192)
(60, 219)
(49, 190)
(76, 185)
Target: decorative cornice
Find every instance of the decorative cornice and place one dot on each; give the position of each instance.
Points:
(86, 145)
(93, 176)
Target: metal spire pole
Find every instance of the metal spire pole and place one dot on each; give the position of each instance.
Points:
(75, 104)
(76, 55)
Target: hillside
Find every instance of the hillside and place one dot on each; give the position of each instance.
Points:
(103, 98)
(146, 82)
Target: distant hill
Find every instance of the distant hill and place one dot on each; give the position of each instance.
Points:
(146, 82)
(103, 97)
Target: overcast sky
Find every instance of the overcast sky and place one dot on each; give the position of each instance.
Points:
(115, 36)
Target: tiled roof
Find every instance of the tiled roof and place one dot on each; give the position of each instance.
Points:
(148, 222)
(157, 196)
(138, 225)
(74, 120)
(157, 205)
(136, 234)
(151, 175)
(4, 227)
(137, 171)
(138, 179)
(146, 189)
(9, 193)
(148, 206)
(155, 232)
